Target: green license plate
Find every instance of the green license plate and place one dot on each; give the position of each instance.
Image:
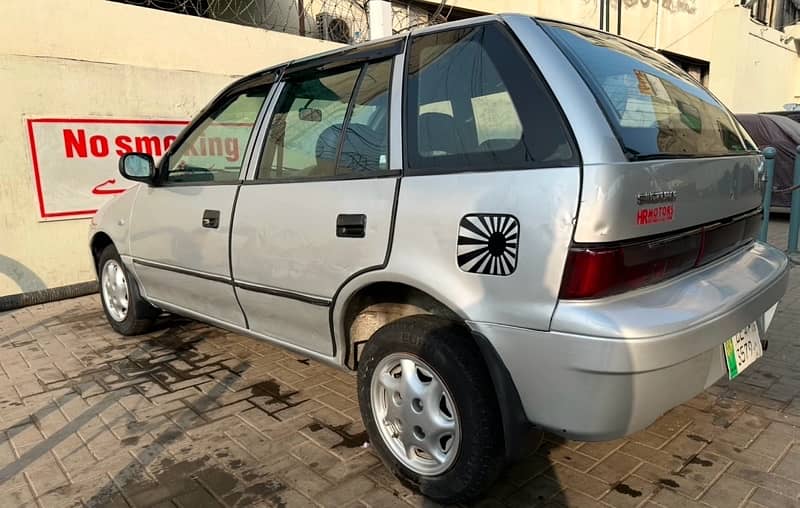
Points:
(742, 350)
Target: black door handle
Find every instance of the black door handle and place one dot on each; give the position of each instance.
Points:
(211, 219)
(351, 225)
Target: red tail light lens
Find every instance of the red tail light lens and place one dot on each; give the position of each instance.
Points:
(597, 271)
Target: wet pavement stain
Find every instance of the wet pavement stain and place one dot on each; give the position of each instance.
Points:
(349, 440)
(131, 441)
(720, 421)
(701, 462)
(176, 478)
(627, 490)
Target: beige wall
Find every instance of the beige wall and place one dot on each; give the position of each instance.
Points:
(96, 58)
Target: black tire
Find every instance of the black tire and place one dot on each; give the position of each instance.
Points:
(141, 316)
(448, 348)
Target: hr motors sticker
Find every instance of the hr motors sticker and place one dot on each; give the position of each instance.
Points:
(655, 215)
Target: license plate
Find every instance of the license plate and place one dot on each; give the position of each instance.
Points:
(742, 349)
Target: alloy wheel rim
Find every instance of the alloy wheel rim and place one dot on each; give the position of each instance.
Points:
(115, 290)
(415, 414)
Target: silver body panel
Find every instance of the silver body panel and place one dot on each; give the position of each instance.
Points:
(621, 360)
(618, 374)
(166, 229)
(424, 250)
(706, 190)
(284, 237)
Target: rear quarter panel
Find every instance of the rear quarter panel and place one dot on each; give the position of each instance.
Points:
(424, 248)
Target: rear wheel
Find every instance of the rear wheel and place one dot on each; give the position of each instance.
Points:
(429, 407)
(126, 311)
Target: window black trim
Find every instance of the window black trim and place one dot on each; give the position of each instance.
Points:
(348, 112)
(350, 56)
(508, 33)
(334, 178)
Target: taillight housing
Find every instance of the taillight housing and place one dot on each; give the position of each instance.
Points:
(594, 271)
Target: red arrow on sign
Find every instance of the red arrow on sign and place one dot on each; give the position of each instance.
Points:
(100, 191)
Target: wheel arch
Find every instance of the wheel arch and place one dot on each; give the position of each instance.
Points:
(100, 240)
(378, 302)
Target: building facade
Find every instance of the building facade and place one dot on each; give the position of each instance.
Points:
(91, 78)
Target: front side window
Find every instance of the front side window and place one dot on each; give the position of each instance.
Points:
(475, 102)
(214, 150)
(655, 109)
(330, 125)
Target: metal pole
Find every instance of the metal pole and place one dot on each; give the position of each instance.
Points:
(602, 13)
(619, 17)
(794, 218)
(769, 168)
(301, 18)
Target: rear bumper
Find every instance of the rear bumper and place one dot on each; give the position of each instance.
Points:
(609, 367)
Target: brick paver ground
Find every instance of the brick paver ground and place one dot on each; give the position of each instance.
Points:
(193, 416)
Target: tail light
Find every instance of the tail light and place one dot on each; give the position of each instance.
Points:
(596, 271)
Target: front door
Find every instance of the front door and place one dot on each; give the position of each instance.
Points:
(181, 227)
(319, 208)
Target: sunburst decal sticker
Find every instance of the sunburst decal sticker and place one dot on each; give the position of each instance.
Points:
(487, 244)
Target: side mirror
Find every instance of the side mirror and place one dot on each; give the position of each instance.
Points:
(139, 167)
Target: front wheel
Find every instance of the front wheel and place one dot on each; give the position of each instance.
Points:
(126, 311)
(429, 407)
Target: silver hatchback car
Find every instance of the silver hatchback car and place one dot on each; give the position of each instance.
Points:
(501, 224)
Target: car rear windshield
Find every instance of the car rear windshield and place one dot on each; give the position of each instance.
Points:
(656, 109)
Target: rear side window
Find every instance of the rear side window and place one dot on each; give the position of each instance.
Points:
(656, 109)
(475, 102)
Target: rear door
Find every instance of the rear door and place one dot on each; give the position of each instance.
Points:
(180, 228)
(318, 208)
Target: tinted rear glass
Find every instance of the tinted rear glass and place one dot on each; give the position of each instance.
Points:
(655, 108)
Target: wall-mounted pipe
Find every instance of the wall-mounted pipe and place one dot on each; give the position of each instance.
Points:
(619, 17)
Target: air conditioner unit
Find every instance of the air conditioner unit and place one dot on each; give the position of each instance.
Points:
(332, 28)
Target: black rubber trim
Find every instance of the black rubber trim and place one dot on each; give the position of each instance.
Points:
(184, 271)
(348, 56)
(367, 175)
(312, 300)
(230, 255)
(16, 301)
(362, 272)
(517, 430)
